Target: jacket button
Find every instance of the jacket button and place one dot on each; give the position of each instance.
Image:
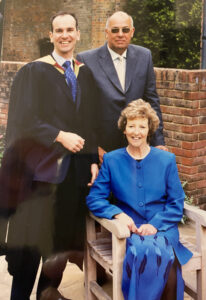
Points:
(138, 166)
(141, 204)
(139, 185)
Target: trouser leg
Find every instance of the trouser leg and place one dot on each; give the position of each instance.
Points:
(24, 277)
(3, 230)
(43, 284)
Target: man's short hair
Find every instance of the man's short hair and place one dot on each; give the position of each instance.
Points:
(63, 13)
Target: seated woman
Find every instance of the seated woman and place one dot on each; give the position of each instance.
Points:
(144, 180)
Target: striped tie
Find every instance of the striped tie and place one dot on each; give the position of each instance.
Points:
(70, 78)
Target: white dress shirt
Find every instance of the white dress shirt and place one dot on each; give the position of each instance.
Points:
(120, 65)
(61, 60)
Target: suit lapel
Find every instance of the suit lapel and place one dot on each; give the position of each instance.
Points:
(107, 65)
(130, 67)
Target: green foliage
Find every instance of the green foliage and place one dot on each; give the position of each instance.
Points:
(171, 29)
(188, 200)
(1, 153)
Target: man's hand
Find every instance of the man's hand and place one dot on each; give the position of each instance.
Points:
(146, 229)
(94, 171)
(71, 141)
(101, 153)
(162, 147)
(126, 220)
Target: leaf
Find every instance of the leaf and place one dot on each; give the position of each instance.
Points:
(143, 264)
(141, 238)
(128, 269)
(155, 237)
(166, 241)
(159, 257)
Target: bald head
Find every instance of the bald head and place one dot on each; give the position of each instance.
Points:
(119, 31)
(120, 14)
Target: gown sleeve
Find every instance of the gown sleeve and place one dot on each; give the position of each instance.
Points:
(24, 117)
(97, 200)
(173, 211)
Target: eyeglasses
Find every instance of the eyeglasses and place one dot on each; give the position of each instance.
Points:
(124, 30)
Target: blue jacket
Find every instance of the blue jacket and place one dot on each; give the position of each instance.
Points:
(149, 191)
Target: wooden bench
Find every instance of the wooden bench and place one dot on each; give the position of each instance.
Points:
(107, 248)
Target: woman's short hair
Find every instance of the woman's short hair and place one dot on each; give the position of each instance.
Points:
(139, 108)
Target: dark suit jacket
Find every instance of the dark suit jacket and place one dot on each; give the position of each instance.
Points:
(111, 99)
(41, 105)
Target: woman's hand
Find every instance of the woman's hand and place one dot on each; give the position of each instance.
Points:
(146, 229)
(126, 220)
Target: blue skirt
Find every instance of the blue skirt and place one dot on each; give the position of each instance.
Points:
(146, 267)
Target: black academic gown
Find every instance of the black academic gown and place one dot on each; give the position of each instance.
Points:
(41, 105)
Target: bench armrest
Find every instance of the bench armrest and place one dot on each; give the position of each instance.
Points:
(114, 226)
(196, 214)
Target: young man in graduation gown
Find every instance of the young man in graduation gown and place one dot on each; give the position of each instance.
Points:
(50, 158)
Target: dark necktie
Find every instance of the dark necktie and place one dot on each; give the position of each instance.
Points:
(70, 78)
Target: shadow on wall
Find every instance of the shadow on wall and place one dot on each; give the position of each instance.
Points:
(45, 46)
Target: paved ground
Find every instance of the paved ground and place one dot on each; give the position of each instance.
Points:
(72, 285)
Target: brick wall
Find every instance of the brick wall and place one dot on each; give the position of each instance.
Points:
(101, 10)
(7, 73)
(183, 103)
(26, 23)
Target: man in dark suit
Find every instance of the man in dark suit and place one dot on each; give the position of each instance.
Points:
(123, 72)
(50, 159)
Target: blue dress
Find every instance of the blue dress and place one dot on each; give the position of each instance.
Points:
(148, 191)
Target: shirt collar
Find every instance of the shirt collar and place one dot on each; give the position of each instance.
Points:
(61, 60)
(115, 55)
